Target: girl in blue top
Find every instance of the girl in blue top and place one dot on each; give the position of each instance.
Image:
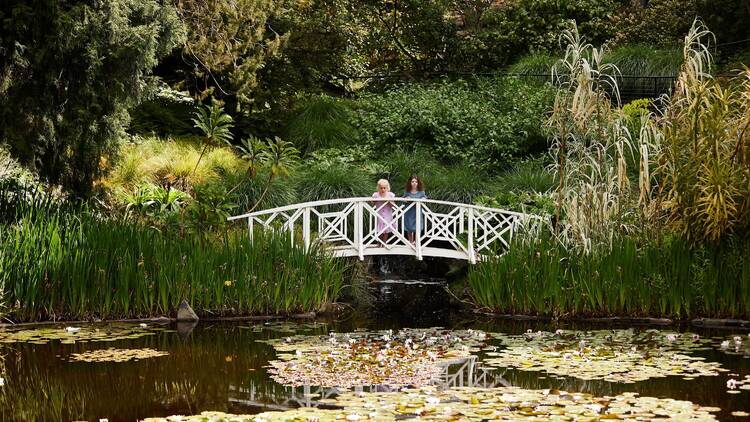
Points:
(414, 190)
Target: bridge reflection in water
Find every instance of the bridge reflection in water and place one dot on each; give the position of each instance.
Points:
(463, 372)
(355, 227)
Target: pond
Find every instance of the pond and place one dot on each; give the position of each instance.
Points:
(411, 360)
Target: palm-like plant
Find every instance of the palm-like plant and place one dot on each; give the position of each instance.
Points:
(252, 150)
(215, 125)
(282, 156)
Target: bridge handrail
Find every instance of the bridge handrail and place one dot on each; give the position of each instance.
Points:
(371, 199)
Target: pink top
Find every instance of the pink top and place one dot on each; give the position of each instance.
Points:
(385, 212)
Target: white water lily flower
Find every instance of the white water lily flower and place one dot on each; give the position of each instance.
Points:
(559, 332)
(725, 344)
(732, 384)
(596, 407)
(72, 329)
(696, 336)
(433, 400)
(143, 325)
(2, 381)
(671, 337)
(353, 417)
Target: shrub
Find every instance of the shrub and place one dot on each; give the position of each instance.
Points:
(320, 122)
(485, 123)
(319, 182)
(169, 161)
(447, 182)
(527, 176)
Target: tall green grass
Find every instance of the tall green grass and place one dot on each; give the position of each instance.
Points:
(69, 264)
(664, 278)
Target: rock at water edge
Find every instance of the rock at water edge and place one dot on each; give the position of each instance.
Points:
(185, 312)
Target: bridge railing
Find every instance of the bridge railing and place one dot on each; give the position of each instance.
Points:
(355, 227)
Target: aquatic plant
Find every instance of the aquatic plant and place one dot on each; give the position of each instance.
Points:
(477, 404)
(622, 356)
(73, 334)
(60, 264)
(401, 358)
(665, 277)
(115, 355)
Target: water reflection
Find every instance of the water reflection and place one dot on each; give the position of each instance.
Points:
(222, 367)
(463, 372)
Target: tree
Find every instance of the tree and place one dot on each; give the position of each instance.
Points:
(69, 71)
(228, 42)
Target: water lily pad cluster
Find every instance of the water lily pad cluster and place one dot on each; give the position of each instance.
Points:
(623, 356)
(406, 357)
(477, 404)
(115, 355)
(82, 334)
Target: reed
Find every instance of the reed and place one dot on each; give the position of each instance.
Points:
(663, 278)
(60, 264)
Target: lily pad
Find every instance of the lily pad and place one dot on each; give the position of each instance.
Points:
(477, 404)
(622, 356)
(115, 355)
(406, 357)
(70, 335)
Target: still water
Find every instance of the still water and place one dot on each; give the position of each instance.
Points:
(224, 366)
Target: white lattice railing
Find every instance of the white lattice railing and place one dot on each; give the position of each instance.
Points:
(348, 227)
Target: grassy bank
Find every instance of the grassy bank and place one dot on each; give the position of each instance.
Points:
(71, 265)
(665, 279)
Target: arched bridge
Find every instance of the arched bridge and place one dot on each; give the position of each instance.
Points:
(354, 227)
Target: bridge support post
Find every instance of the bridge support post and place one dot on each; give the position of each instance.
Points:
(470, 243)
(250, 229)
(358, 231)
(306, 228)
(418, 234)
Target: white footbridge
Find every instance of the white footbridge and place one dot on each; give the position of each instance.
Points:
(358, 227)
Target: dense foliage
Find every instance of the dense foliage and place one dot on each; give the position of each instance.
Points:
(486, 123)
(69, 71)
